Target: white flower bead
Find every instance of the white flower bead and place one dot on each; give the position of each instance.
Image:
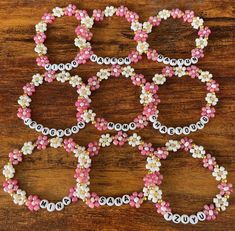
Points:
(197, 22)
(105, 140)
(153, 164)
(173, 145)
(136, 26)
(201, 43)
(147, 26)
(103, 74)
(88, 116)
(81, 43)
(82, 191)
(84, 91)
(27, 148)
(211, 99)
(197, 151)
(205, 76)
(41, 49)
(164, 14)
(142, 47)
(56, 142)
(128, 71)
(19, 197)
(41, 27)
(109, 11)
(58, 12)
(63, 76)
(84, 160)
(219, 173)
(75, 81)
(159, 79)
(8, 171)
(153, 194)
(37, 80)
(87, 22)
(221, 202)
(24, 101)
(79, 150)
(134, 140)
(180, 71)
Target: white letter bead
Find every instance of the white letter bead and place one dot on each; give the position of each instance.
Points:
(51, 207)
(68, 66)
(194, 60)
(27, 121)
(201, 216)
(166, 60)
(33, 124)
(126, 199)
(44, 203)
(75, 129)
(93, 58)
(180, 62)
(60, 133)
(186, 130)
(168, 216)
(173, 62)
(176, 218)
(204, 119)
(160, 58)
(200, 125)
(107, 60)
(127, 61)
(81, 125)
(163, 129)
(193, 127)
(125, 127)
(48, 67)
(68, 132)
(54, 67)
(114, 60)
(61, 66)
(184, 219)
(178, 131)
(121, 61)
(110, 201)
(74, 63)
(152, 118)
(187, 62)
(193, 219)
(132, 126)
(45, 131)
(118, 127)
(100, 60)
(66, 200)
(52, 132)
(102, 200)
(111, 125)
(156, 125)
(118, 201)
(171, 131)
(59, 206)
(39, 128)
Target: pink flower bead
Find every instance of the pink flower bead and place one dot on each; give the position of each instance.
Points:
(140, 36)
(40, 38)
(48, 18)
(72, 194)
(98, 15)
(136, 199)
(70, 10)
(146, 149)
(116, 70)
(33, 203)
(49, 76)
(138, 79)
(153, 179)
(193, 71)
(83, 32)
(120, 138)
(152, 55)
(93, 148)
(197, 52)
(121, 11)
(79, 116)
(24, 113)
(176, 13)
(209, 162)
(168, 71)
(82, 174)
(134, 56)
(82, 104)
(42, 142)
(94, 83)
(42, 61)
(188, 16)
(161, 153)
(80, 14)
(210, 212)
(204, 32)
(84, 55)
(131, 16)
(69, 145)
(93, 200)
(150, 110)
(10, 186)
(141, 121)
(208, 111)
(212, 86)
(163, 207)
(186, 144)
(151, 87)
(15, 157)
(101, 124)
(225, 188)
(156, 99)
(155, 21)
(29, 89)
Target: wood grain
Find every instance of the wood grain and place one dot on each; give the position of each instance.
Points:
(116, 170)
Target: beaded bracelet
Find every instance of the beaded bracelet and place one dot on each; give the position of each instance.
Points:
(83, 35)
(24, 112)
(142, 32)
(220, 201)
(152, 179)
(207, 112)
(11, 186)
(148, 99)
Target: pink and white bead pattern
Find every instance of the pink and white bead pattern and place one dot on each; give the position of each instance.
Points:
(148, 99)
(220, 201)
(24, 111)
(11, 185)
(142, 31)
(207, 112)
(83, 35)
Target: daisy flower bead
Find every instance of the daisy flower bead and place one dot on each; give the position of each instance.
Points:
(219, 173)
(153, 164)
(8, 171)
(153, 194)
(56, 142)
(134, 140)
(220, 202)
(28, 148)
(105, 140)
(197, 151)
(19, 197)
(173, 145)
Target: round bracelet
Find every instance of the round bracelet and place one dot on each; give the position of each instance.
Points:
(24, 112)
(148, 99)
(83, 35)
(152, 179)
(11, 186)
(220, 201)
(197, 23)
(211, 100)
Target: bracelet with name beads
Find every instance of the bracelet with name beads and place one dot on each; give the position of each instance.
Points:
(207, 112)
(142, 31)
(220, 201)
(11, 186)
(148, 99)
(24, 111)
(83, 35)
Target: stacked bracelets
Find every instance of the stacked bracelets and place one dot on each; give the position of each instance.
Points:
(118, 68)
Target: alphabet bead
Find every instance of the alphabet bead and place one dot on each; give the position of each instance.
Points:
(100, 61)
(61, 66)
(107, 60)
(52, 132)
(74, 64)
(68, 132)
(176, 218)
(60, 133)
(160, 58)
(118, 127)
(193, 219)
(39, 128)
(127, 61)
(45, 131)
(125, 127)
(121, 61)
(184, 219)
(152, 118)
(168, 216)
(118, 201)
(171, 131)
(51, 207)
(163, 129)
(93, 58)
(59, 206)
(81, 125)
(201, 216)
(204, 119)
(178, 131)
(75, 129)
(126, 199)
(111, 125)
(114, 60)
(193, 127)
(156, 125)
(132, 126)
(110, 201)
(66, 200)
(102, 200)
(44, 203)
(186, 130)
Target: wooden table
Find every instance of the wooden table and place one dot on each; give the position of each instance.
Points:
(116, 171)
